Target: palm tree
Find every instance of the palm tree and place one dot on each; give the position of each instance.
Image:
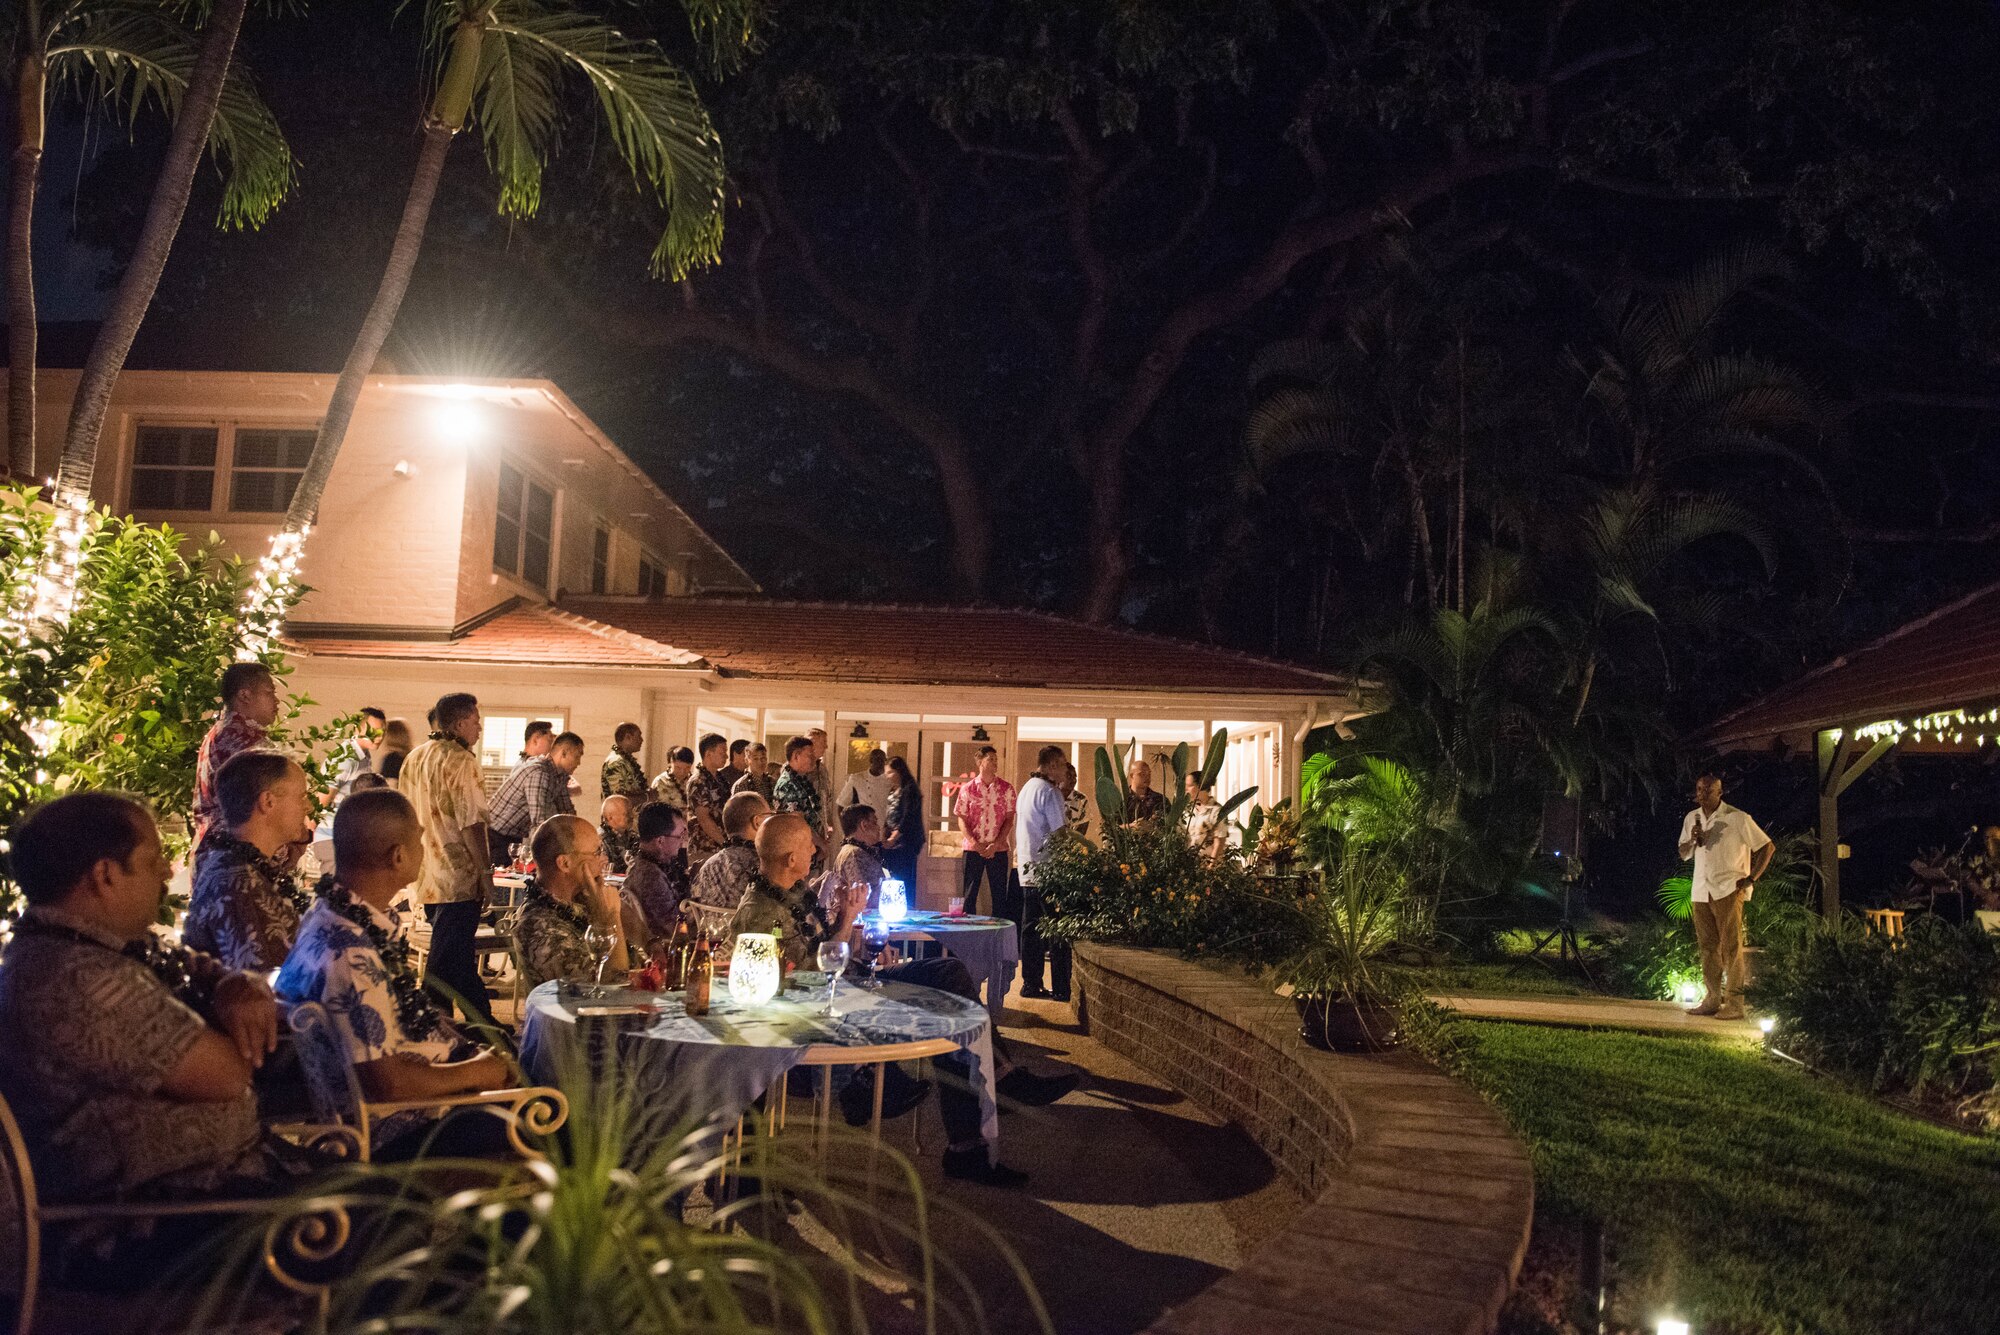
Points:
(129, 55)
(503, 63)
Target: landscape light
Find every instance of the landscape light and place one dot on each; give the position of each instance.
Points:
(1766, 1025)
(1669, 1325)
(1690, 993)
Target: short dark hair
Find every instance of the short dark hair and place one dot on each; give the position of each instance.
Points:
(796, 745)
(682, 754)
(240, 677)
(567, 739)
(623, 731)
(370, 711)
(453, 709)
(247, 776)
(708, 743)
(986, 751)
(536, 727)
(364, 781)
(739, 747)
(658, 818)
(852, 817)
(55, 845)
(1048, 753)
(369, 824)
(740, 810)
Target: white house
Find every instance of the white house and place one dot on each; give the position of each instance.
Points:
(487, 536)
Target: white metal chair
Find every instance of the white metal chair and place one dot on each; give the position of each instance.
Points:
(536, 1110)
(301, 1233)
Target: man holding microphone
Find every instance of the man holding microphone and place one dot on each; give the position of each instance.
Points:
(1730, 853)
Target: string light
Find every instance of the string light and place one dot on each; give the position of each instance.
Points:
(1952, 722)
(47, 598)
(273, 585)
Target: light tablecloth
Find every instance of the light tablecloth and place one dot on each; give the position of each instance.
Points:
(710, 1069)
(990, 947)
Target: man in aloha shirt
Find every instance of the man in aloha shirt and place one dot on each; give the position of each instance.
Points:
(796, 791)
(822, 778)
(566, 899)
(1076, 807)
(621, 773)
(985, 811)
(757, 776)
(246, 904)
(441, 779)
(618, 832)
(670, 785)
(249, 708)
(706, 793)
(128, 1062)
(1146, 802)
(658, 881)
(859, 859)
(401, 1047)
(723, 879)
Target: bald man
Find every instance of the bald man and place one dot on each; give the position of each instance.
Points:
(566, 899)
(618, 832)
(402, 1048)
(781, 897)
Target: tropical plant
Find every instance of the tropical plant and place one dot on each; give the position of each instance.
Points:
(505, 65)
(1114, 794)
(605, 1236)
(1351, 929)
(130, 56)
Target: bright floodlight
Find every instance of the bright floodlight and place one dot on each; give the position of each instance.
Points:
(1766, 1025)
(1671, 1326)
(459, 421)
(1690, 993)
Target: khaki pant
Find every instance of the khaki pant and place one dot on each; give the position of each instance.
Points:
(1718, 933)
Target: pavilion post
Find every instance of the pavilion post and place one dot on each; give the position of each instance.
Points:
(1830, 749)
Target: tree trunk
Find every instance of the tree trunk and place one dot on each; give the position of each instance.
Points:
(149, 257)
(30, 89)
(381, 318)
(1109, 560)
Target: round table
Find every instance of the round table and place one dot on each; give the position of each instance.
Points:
(708, 1070)
(990, 947)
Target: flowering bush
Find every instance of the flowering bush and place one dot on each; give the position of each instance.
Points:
(1146, 887)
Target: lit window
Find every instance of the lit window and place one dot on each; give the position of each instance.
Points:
(600, 560)
(524, 531)
(173, 468)
(267, 468)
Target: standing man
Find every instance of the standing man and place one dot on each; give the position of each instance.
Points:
(796, 791)
(739, 762)
(246, 904)
(360, 751)
(1145, 804)
(871, 789)
(985, 811)
(758, 778)
(537, 789)
(537, 738)
(706, 794)
(670, 785)
(1037, 815)
(622, 772)
(249, 708)
(823, 780)
(441, 779)
(1730, 853)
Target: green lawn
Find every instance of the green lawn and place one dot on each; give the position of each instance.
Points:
(1505, 978)
(1748, 1194)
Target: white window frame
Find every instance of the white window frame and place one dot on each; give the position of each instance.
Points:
(222, 474)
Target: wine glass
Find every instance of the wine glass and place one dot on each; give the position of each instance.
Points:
(832, 959)
(874, 940)
(600, 942)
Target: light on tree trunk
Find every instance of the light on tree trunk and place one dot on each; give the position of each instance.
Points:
(270, 594)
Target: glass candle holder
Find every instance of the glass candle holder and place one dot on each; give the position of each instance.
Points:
(754, 970)
(894, 904)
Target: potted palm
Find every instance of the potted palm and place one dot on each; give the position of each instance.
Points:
(1342, 978)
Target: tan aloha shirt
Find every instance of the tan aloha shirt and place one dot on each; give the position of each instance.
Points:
(441, 779)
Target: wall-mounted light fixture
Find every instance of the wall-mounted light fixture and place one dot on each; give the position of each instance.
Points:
(979, 733)
(860, 733)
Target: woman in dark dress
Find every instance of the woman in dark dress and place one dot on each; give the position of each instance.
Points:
(903, 827)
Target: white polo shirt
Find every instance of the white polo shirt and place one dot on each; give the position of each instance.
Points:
(1729, 837)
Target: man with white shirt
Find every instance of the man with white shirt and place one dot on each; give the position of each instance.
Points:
(1730, 853)
(870, 788)
(1039, 813)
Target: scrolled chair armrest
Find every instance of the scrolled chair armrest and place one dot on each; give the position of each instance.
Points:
(538, 1110)
(330, 1138)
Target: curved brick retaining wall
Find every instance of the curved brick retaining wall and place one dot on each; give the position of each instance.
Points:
(1421, 1198)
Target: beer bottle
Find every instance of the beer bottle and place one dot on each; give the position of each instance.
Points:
(700, 976)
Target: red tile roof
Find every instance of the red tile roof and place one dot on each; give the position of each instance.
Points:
(519, 635)
(956, 646)
(1949, 659)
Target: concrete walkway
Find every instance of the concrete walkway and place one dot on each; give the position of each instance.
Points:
(1652, 1017)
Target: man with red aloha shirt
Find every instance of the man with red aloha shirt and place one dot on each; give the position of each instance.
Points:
(985, 810)
(249, 708)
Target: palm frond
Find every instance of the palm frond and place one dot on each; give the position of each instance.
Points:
(651, 110)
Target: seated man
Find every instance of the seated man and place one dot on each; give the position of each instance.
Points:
(725, 877)
(616, 832)
(246, 903)
(859, 860)
(127, 1061)
(658, 880)
(566, 899)
(352, 957)
(533, 791)
(780, 898)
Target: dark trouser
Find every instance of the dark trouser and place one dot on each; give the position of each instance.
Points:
(1036, 947)
(452, 965)
(993, 868)
(465, 1134)
(958, 1102)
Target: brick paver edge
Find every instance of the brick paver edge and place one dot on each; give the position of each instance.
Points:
(1420, 1196)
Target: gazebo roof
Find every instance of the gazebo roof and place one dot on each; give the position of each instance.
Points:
(1946, 660)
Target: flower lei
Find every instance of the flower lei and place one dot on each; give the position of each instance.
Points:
(170, 964)
(282, 881)
(415, 1011)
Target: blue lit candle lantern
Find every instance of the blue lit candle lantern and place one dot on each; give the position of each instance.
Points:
(894, 904)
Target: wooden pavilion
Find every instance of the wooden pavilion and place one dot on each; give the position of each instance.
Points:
(1930, 687)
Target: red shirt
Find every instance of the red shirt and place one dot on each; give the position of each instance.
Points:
(232, 735)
